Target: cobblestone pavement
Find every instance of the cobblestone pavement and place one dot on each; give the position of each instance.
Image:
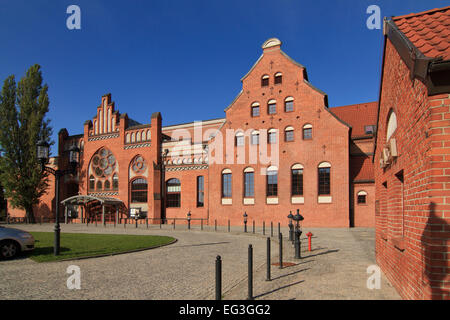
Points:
(335, 269)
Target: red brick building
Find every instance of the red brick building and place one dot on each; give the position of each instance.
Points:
(412, 155)
(278, 148)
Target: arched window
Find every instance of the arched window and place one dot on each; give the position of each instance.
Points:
(272, 136)
(362, 197)
(91, 183)
(255, 109)
(226, 183)
(139, 190)
(249, 182)
(138, 136)
(133, 139)
(115, 183)
(324, 178)
(272, 181)
(99, 186)
(148, 135)
(391, 125)
(240, 139)
(173, 196)
(265, 80)
(255, 138)
(289, 134)
(297, 180)
(272, 107)
(107, 185)
(127, 139)
(289, 104)
(307, 132)
(278, 78)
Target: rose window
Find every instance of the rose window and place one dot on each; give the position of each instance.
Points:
(103, 163)
(138, 165)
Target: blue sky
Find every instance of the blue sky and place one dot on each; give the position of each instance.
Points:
(186, 58)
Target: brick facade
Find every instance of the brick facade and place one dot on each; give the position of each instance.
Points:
(111, 142)
(412, 184)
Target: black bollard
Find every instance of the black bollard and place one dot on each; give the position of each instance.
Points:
(173, 224)
(271, 228)
(228, 225)
(268, 259)
(253, 226)
(201, 221)
(264, 228)
(215, 224)
(146, 222)
(218, 278)
(279, 230)
(250, 272)
(280, 240)
(136, 222)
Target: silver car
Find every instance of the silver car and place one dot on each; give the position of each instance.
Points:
(13, 241)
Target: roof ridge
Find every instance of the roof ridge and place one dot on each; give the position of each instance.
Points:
(410, 15)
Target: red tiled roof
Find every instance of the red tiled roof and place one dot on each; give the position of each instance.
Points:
(429, 31)
(361, 168)
(358, 116)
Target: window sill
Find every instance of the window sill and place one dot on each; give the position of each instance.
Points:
(324, 199)
(249, 201)
(297, 200)
(271, 200)
(227, 201)
(399, 243)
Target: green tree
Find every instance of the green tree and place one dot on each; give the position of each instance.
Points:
(22, 124)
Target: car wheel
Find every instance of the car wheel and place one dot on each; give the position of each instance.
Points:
(9, 249)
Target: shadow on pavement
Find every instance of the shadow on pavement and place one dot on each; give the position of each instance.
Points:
(281, 288)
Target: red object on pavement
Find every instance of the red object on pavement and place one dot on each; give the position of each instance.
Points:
(309, 235)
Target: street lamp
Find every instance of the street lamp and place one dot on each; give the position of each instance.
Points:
(297, 218)
(291, 226)
(245, 221)
(43, 157)
(189, 220)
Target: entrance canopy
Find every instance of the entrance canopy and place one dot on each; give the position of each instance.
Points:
(85, 199)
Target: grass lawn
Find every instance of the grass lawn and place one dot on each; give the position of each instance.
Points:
(75, 245)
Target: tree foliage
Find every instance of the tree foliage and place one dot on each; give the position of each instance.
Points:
(22, 123)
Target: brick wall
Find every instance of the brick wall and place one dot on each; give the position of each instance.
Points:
(412, 193)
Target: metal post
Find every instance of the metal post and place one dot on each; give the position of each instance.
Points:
(57, 227)
(201, 223)
(271, 228)
(250, 272)
(215, 224)
(268, 259)
(103, 215)
(264, 228)
(253, 226)
(146, 222)
(218, 278)
(279, 231)
(136, 222)
(189, 224)
(174, 224)
(160, 220)
(280, 240)
(245, 226)
(297, 243)
(291, 232)
(228, 225)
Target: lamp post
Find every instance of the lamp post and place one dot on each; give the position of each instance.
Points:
(291, 226)
(245, 221)
(297, 218)
(189, 220)
(43, 156)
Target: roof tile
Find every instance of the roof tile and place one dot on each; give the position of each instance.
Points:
(358, 116)
(429, 31)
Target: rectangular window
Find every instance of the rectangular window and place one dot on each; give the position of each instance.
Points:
(289, 106)
(289, 135)
(278, 79)
(297, 182)
(255, 139)
(361, 199)
(272, 137)
(255, 111)
(249, 186)
(173, 200)
(272, 108)
(272, 183)
(264, 82)
(240, 140)
(307, 133)
(226, 185)
(324, 181)
(369, 129)
(200, 191)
